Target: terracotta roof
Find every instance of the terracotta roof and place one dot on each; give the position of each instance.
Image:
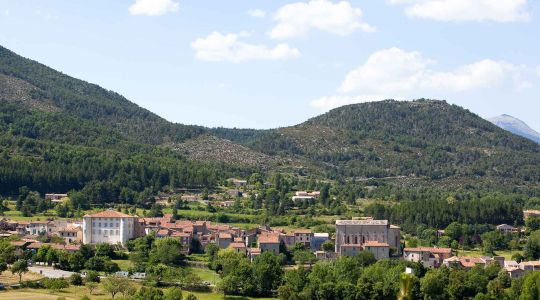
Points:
(40, 222)
(35, 245)
(469, 262)
(180, 234)
(375, 244)
(254, 250)
(429, 249)
(18, 243)
(70, 229)
(237, 245)
(269, 238)
(72, 247)
(225, 236)
(303, 231)
(163, 232)
(110, 214)
(534, 263)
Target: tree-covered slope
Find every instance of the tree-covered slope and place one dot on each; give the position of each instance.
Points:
(59, 134)
(422, 138)
(38, 86)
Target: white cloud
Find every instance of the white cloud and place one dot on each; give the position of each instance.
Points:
(398, 74)
(153, 7)
(228, 47)
(467, 10)
(297, 19)
(256, 13)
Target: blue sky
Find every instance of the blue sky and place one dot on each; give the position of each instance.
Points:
(263, 64)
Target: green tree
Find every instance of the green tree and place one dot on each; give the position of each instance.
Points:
(19, 267)
(433, 284)
(172, 293)
(267, 273)
(75, 279)
(55, 284)
(327, 246)
(166, 251)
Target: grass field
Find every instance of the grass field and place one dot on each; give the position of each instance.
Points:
(75, 293)
(7, 278)
(478, 253)
(124, 264)
(206, 275)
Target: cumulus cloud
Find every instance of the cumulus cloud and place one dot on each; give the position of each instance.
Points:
(256, 13)
(297, 19)
(398, 74)
(228, 47)
(153, 7)
(467, 10)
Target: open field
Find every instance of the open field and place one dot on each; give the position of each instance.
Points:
(75, 293)
(124, 264)
(7, 278)
(206, 275)
(478, 253)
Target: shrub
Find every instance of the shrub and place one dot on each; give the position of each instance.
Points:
(92, 276)
(76, 279)
(55, 284)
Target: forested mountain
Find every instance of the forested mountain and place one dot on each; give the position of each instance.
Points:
(419, 139)
(37, 86)
(58, 133)
(516, 126)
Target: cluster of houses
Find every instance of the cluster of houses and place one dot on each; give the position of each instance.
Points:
(351, 237)
(113, 227)
(431, 257)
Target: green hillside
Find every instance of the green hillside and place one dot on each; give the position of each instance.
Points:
(58, 134)
(419, 139)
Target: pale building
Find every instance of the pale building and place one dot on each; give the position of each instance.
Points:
(269, 242)
(507, 229)
(429, 257)
(303, 236)
(531, 213)
(109, 227)
(353, 235)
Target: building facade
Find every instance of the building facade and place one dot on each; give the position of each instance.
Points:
(353, 236)
(109, 227)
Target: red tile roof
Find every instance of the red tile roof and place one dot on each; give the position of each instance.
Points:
(469, 262)
(110, 214)
(429, 249)
(237, 245)
(269, 238)
(375, 244)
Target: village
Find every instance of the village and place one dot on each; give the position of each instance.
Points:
(352, 237)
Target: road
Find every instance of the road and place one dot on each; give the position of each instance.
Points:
(50, 272)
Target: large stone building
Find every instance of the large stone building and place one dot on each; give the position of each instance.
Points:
(377, 236)
(108, 226)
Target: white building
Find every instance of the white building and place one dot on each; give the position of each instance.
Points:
(109, 227)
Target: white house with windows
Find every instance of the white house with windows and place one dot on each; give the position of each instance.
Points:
(109, 227)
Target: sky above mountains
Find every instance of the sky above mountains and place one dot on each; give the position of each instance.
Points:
(263, 64)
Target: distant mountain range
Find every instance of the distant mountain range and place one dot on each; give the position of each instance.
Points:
(516, 126)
